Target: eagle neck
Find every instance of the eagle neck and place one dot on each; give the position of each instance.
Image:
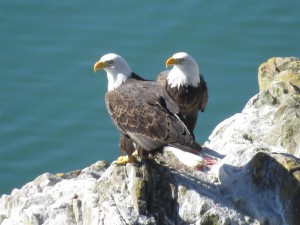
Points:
(115, 80)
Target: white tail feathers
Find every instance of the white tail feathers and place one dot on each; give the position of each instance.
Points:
(186, 158)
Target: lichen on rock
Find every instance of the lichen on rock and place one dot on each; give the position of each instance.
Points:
(279, 69)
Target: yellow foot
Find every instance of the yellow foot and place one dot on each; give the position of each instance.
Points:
(122, 160)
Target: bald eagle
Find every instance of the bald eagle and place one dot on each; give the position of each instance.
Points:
(186, 86)
(143, 110)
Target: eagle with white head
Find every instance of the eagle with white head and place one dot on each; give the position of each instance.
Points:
(186, 86)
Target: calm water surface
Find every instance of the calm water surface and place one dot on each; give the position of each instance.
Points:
(52, 114)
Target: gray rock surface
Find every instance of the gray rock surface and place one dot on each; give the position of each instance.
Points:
(256, 179)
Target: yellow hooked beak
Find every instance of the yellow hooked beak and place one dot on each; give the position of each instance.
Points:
(99, 65)
(171, 61)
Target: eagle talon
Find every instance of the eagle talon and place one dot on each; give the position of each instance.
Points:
(135, 153)
(122, 160)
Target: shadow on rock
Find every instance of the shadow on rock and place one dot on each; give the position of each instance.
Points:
(267, 188)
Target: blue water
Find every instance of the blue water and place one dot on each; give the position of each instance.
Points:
(53, 116)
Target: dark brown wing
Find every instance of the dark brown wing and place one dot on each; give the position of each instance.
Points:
(203, 94)
(126, 144)
(142, 111)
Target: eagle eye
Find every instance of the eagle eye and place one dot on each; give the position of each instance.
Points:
(110, 62)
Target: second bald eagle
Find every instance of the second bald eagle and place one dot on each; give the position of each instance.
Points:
(186, 86)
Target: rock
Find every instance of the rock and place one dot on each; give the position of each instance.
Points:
(279, 69)
(54, 199)
(256, 179)
(264, 188)
(271, 118)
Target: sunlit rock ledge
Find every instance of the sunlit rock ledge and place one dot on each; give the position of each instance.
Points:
(256, 179)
